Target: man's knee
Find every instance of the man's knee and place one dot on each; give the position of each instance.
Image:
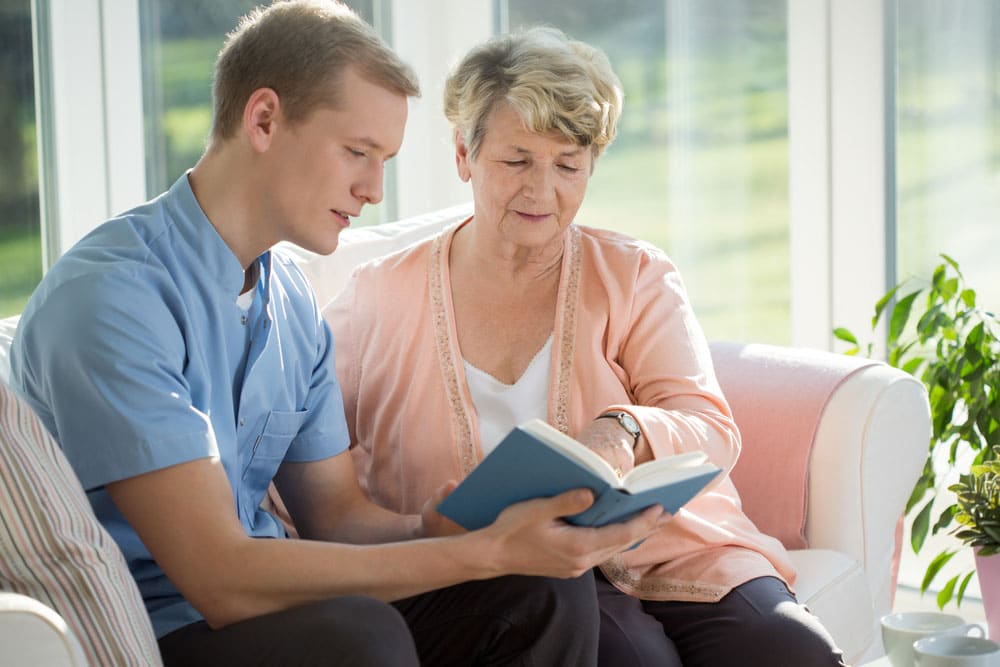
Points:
(354, 630)
(552, 599)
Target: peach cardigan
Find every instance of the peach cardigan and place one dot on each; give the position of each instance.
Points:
(625, 336)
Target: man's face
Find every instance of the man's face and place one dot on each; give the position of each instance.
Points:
(326, 168)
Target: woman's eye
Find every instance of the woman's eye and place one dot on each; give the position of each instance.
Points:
(514, 163)
(569, 168)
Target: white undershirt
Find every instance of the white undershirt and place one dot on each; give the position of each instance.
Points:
(245, 300)
(500, 406)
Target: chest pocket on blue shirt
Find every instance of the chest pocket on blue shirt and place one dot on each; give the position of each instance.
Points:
(268, 452)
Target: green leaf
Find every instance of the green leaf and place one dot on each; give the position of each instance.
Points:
(900, 314)
(920, 527)
(913, 365)
(952, 262)
(968, 297)
(919, 489)
(882, 303)
(934, 567)
(845, 335)
(947, 592)
(962, 587)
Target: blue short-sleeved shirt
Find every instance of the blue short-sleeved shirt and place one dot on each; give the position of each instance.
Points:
(136, 356)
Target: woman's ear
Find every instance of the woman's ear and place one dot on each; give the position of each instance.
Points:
(260, 118)
(462, 157)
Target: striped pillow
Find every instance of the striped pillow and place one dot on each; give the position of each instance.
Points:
(53, 549)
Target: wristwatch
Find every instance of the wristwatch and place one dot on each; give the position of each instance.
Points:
(626, 421)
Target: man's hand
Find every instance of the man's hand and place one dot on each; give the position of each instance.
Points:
(531, 538)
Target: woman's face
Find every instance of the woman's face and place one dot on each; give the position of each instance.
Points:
(527, 187)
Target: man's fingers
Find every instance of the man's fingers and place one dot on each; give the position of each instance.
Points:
(569, 503)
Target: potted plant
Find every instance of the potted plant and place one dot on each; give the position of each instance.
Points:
(938, 333)
(977, 495)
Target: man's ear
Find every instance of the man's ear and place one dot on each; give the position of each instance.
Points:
(260, 118)
(462, 157)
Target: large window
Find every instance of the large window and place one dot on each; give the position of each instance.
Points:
(20, 233)
(948, 169)
(700, 167)
(948, 120)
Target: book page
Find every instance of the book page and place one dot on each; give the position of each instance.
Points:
(660, 472)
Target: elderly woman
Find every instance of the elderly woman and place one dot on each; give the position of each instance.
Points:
(518, 312)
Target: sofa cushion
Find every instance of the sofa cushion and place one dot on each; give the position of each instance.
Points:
(834, 587)
(53, 549)
(329, 273)
(778, 426)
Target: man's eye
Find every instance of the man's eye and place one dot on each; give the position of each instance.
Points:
(356, 153)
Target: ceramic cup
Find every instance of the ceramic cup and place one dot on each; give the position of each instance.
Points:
(901, 630)
(956, 651)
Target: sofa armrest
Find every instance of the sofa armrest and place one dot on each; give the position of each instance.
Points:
(33, 634)
(832, 446)
(869, 448)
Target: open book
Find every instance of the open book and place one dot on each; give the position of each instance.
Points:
(536, 460)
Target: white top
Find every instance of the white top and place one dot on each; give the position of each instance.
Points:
(500, 407)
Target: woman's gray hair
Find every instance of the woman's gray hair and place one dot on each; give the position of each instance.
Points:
(555, 84)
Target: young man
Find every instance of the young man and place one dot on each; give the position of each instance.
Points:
(183, 366)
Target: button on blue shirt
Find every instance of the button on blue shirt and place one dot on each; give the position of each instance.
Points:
(136, 356)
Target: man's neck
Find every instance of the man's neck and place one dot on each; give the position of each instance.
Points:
(223, 185)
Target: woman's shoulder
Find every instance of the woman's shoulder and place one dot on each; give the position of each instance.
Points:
(396, 279)
(612, 247)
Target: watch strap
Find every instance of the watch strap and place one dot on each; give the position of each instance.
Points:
(626, 421)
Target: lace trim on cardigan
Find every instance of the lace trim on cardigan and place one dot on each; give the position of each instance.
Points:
(439, 315)
(566, 326)
(658, 588)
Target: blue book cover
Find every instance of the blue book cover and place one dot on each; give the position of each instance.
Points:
(536, 460)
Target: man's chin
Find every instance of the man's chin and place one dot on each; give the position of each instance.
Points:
(322, 246)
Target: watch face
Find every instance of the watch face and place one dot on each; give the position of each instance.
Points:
(629, 422)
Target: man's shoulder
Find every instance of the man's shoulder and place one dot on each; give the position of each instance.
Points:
(289, 277)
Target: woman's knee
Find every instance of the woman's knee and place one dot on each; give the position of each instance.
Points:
(779, 631)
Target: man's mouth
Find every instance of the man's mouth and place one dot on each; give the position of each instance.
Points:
(345, 218)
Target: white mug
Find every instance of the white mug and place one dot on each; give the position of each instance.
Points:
(952, 651)
(902, 629)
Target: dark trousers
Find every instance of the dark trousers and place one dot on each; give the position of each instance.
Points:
(504, 621)
(759, 623)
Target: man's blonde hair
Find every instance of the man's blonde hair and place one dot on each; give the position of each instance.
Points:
(554, 83)
(299, 48)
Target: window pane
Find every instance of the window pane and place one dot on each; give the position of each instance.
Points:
(20, 221)
(948, 145)
(180, 41)
(948, 176)
(700, 167)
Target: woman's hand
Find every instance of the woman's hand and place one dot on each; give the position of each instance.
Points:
(611, 442)
(432, 522)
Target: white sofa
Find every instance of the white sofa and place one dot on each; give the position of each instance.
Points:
(828, 475)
